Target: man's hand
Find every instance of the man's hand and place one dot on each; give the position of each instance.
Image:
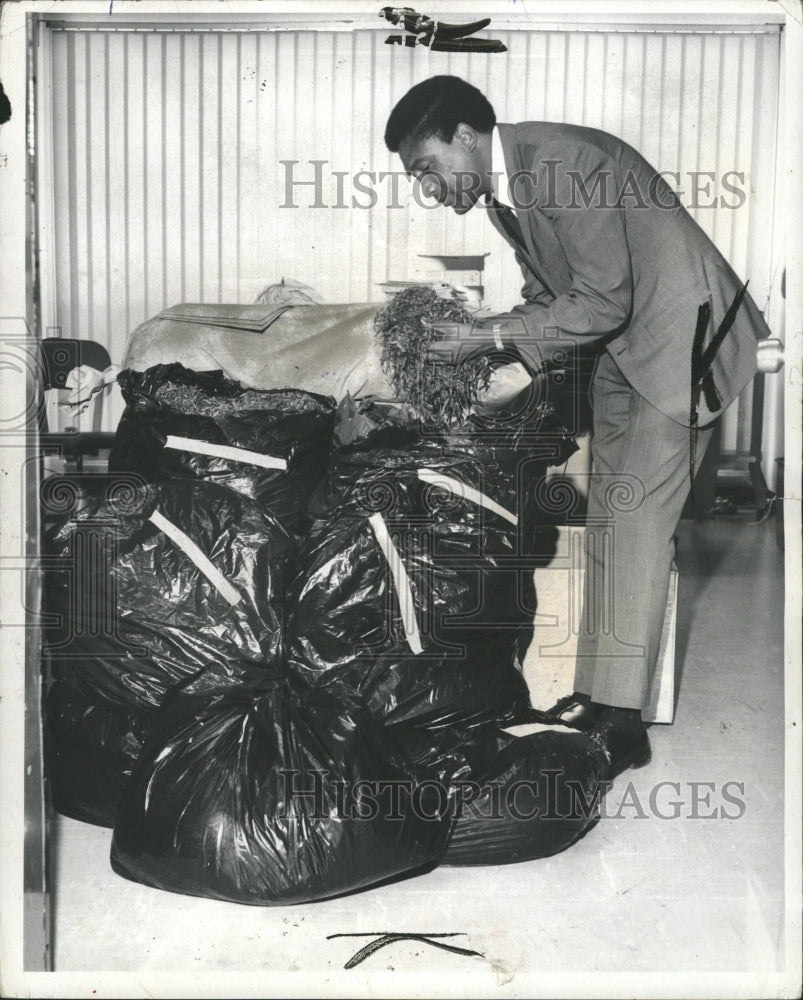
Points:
(456, 343)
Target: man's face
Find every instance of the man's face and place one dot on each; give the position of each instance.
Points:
(450, 172)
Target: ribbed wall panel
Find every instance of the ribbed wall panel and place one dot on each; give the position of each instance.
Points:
(167, 148)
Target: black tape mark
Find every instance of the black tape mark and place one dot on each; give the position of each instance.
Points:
(384, 938)
(438, 35)
(702, 376)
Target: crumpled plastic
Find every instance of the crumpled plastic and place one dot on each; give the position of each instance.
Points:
(287, 424)
(136, 616)
(526, 797)
(470, 582)
(227, 739)
(253, 794)
(84, 382)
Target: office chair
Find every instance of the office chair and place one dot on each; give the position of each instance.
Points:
(59, 356)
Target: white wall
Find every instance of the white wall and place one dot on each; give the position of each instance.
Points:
(163, 151)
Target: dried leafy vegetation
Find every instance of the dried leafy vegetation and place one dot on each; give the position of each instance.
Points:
(442, 394)
(217, 401)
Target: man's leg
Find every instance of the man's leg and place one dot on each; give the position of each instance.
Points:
(639, 483)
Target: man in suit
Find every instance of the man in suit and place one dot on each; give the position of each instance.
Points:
(608, 255)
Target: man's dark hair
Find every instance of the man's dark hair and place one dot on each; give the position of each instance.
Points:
(435, 107)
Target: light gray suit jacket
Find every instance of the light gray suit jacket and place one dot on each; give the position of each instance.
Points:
(609, 252)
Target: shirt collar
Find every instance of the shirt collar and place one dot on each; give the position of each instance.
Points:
(499, 178)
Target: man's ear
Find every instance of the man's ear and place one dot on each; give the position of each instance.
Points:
(466, 136)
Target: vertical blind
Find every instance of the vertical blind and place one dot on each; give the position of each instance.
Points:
(179, 166)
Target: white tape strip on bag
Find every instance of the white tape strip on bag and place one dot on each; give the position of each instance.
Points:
(528, 728)
(401, 580)
(191, 550)
(466, 493)
(224, 451)
(496, 330)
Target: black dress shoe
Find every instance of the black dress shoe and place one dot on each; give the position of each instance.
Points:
(576, 710)
(624, 737)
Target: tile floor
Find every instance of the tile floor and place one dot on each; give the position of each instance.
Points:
(639, 894)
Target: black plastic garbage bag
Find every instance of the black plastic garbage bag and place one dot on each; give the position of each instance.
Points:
(437, 642)
(526, 796)
(276, 443)
(525, 791)
(509, 456)
(90, 750)
(268, 797)
(516, 448)
(132, 614)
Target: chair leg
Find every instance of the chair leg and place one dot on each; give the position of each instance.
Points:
(760, 489)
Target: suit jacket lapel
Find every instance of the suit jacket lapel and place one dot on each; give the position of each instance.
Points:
(543, 252)
(522, 250)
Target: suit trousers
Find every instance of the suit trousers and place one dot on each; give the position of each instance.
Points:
(639, 484)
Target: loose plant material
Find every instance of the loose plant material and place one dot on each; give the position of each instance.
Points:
(442, 393)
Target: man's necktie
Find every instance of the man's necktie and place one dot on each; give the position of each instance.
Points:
(509, 222)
